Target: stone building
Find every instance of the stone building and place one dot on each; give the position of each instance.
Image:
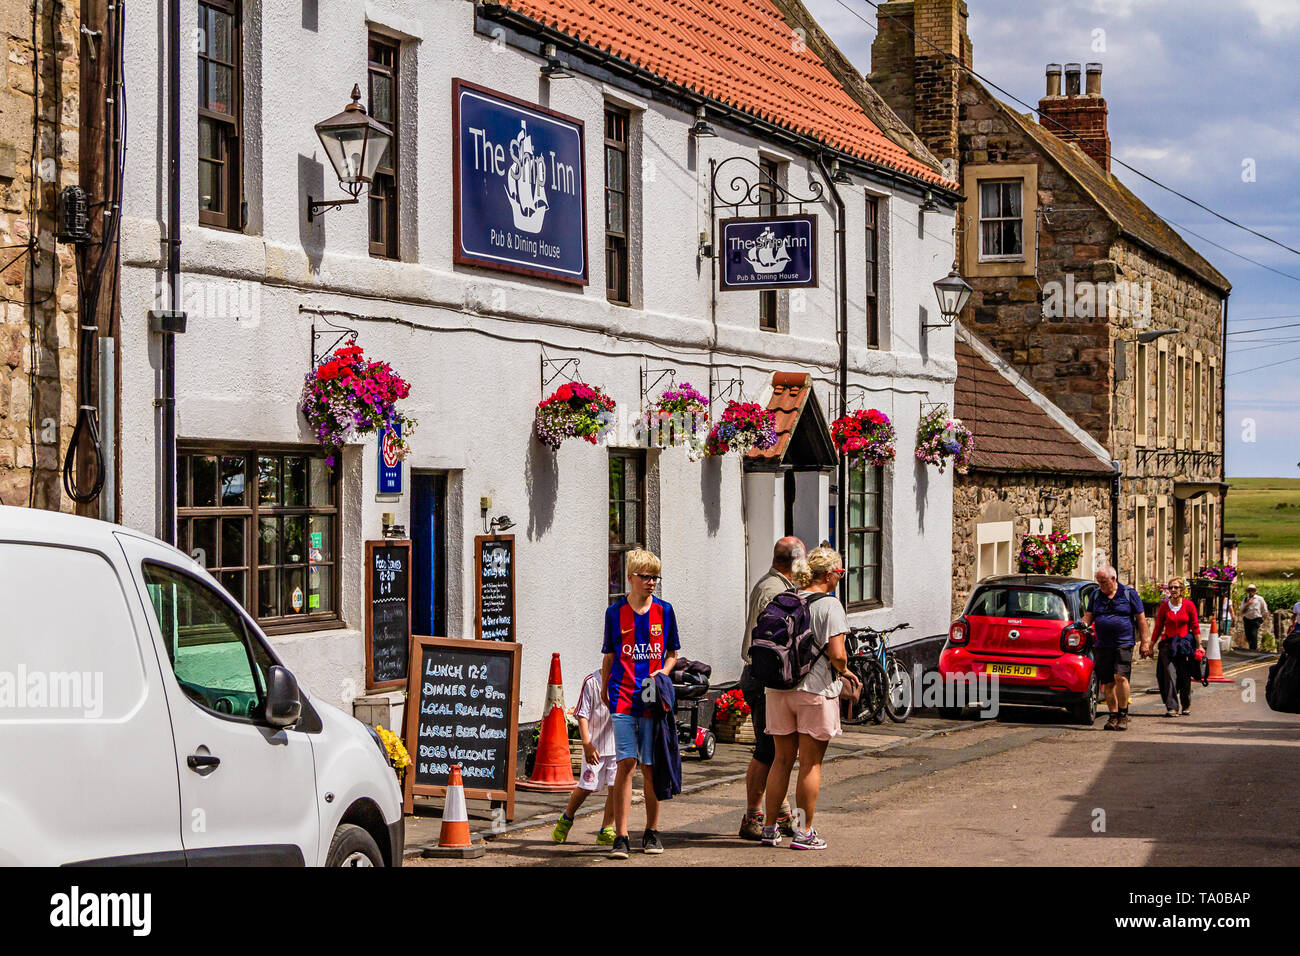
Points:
(1078, 285)
(38, 314)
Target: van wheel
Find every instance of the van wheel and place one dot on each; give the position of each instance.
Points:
(353, 846)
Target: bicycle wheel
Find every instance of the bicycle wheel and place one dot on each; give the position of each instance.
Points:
(898, 692)
(871, 701)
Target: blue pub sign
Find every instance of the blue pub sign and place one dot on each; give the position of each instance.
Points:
(390, 464)
(771, 252)
(520, 186)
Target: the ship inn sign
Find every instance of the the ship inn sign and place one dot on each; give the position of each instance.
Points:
(520, 186)
(769, 252)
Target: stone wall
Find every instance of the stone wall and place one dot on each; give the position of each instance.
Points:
(980, 497)
(38, 314)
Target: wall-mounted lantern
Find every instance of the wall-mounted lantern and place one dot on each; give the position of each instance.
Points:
(702, 129)
(355, 144)
(953, 293)
(554, 68)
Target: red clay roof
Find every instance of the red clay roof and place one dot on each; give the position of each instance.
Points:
(1011, 432)
(738, 52)
(790, 391)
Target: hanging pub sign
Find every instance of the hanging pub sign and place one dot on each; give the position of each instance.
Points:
(520, 202)
(771, 252)
(390, 461)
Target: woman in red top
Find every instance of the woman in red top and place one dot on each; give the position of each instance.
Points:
(1177, 632)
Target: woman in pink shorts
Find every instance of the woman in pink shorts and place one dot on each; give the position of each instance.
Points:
(803, 721)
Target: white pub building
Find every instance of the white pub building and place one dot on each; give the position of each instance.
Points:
(563, 198)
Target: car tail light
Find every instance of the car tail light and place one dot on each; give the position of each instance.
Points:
(959, 633)
(1074, 639)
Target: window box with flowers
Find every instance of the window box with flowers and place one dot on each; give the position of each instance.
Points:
(574, 410)
(865, 437)
(348, 397)
(939, 438)
(680, 416)
(732, 723)
(744, 425)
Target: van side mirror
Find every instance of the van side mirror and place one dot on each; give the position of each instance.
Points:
(283, 702)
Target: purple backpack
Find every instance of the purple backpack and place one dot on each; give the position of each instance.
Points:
(783, 647)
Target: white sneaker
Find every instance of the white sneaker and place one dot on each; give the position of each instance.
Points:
(771, 836)
(808, 841)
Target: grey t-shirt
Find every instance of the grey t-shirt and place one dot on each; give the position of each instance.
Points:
(828, 620)
(766, 588)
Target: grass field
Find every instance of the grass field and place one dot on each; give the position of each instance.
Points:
(1265, 514)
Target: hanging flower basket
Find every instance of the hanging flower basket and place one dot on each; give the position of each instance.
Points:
(864, 437)
(939, 438)
(574, 410)
(732, 723)
(1226, 573)
(680, 416)
(1055, 553)
(744, 425)
(348, 397)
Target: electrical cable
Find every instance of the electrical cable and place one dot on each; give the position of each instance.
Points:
(1271, 328)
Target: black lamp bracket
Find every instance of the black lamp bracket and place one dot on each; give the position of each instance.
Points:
(316, 209)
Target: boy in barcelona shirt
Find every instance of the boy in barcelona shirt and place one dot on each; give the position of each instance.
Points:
(640, 641)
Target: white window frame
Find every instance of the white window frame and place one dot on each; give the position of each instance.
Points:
(996, 534)
(1162, 539)
(1141, 392)
(1162, 394)
(1198, 400)
(1141, 518)
(1084, 529)
(1180, 399)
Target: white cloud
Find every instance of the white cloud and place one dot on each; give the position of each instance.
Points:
(1276, 14)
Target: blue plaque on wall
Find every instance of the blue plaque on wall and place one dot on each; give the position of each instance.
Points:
(520, 202)
(771, 252)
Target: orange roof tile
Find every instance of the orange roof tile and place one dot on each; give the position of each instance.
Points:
(739, 52)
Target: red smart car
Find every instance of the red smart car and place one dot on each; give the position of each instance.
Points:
(1028, 630)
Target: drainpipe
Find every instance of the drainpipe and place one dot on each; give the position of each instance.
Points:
(171, 321)
(842, 308)
(1115, 491)
(1223, 419)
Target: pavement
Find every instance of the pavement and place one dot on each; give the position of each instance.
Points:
(891, 791)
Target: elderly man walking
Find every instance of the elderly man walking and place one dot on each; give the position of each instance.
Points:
(788, 554)
(1254, 609)
(1119, 620)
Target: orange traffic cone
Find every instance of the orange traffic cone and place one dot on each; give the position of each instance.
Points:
(1215, 658)
(552, 769)
(454, 838)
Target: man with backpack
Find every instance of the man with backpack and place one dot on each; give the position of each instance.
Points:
(788, 559)
(798, 653)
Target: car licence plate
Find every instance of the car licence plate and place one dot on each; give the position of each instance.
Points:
(1012, 670)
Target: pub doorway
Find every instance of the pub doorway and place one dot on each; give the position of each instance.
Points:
(429, 553)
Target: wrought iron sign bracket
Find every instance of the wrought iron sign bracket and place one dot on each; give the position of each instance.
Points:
(741, 192)
(328, 328)
(722, 388)
(928, 407)
(553, 369)
(650, 379)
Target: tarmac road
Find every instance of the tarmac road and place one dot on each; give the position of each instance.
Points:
(1219, 787)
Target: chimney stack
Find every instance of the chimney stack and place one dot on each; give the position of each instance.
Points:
(1077, 116)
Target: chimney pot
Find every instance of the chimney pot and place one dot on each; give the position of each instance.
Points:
(1094, 79)
(1072, 79)
(1053, 79)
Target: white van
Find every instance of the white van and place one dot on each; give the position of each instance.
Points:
(145, 720)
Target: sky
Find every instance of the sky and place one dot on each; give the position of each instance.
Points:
(1204, 96)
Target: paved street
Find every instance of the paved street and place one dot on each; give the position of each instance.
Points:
(1217, 787)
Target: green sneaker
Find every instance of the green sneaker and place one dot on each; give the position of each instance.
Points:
(605, 837)
(561, 831)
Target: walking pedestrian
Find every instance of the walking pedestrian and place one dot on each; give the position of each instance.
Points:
(1177, 636)
(1118, 618)
(802, 721)
(640, 642)
(1253, 611)
(788, 560)
(599, 766)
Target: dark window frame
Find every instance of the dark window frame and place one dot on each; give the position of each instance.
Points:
(622, 548)
(387, 196)
(769, 172)
(230, 126)
(618, 267)
(251, 512)
(872, 256)
(876, 557)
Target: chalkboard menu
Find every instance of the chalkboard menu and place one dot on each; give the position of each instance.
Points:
(462, 708)
(388, 612)
(494, 585)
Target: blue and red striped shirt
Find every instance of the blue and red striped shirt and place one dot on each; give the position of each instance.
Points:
(639, 643)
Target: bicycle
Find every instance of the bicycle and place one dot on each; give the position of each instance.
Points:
(885, 685)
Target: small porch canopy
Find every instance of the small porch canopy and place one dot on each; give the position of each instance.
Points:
(803, 439)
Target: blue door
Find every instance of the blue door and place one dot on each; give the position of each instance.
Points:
(429, 554)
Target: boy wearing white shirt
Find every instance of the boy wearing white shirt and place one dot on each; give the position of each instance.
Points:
(599, 766)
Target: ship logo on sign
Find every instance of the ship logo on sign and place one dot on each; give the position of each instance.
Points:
(768, 255)
(392, 453)
(526, 184)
